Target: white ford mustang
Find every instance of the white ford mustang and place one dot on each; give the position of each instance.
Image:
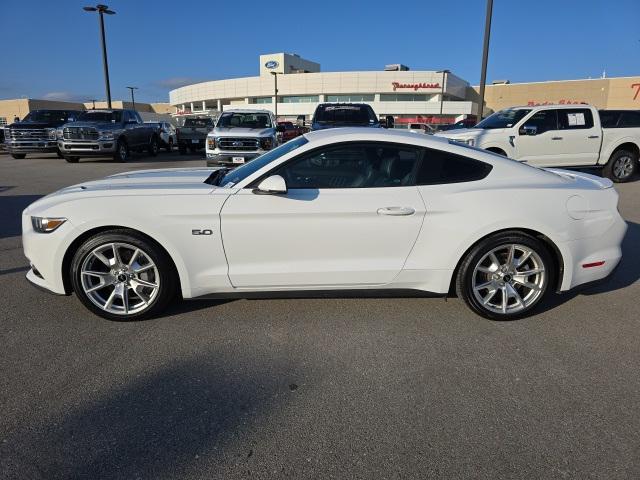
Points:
(331, 210)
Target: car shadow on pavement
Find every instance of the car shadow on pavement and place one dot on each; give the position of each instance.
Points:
(11, 207)
(186, 416)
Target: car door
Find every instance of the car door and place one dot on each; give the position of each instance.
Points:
(580, 137)
(350, 217)
(538, 141)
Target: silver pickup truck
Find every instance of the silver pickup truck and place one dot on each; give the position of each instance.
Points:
(100, 133)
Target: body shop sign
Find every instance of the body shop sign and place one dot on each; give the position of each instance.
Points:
(414, 86)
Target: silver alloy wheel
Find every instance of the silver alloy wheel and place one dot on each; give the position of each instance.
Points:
(120, 278)
(123, 150)
(509, 278)
(623, 166)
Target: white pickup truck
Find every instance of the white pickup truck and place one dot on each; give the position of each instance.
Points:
(561, 136)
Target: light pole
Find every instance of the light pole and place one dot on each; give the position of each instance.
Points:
(94, 103)
(275, 81)
(133, 100)
(485, 54)
(443, 72)
(102, 10)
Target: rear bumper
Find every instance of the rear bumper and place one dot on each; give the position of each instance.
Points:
(595, 258)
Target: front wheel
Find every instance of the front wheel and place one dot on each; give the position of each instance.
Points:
(170, 145)
(59, 154)
(505, 276)
(153, 147)
(122, 151)
(121, 275)
(621, 166)
(18, 156)
(72, 159)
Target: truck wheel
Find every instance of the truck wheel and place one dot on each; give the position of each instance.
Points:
(18, 156)
(182, 149)
(122, 151)
(621, 166)
(59, 154)
(153, 147)
(72, 159)
(170, 145)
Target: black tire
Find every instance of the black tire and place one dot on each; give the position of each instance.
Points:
(622, 166)
(122, 151)
(153, 147)
(193, 149)
(467, 273)
(182, 149)
(169, 145)
(72, 159)
(59, 154)
(18, 156)
(167, 281)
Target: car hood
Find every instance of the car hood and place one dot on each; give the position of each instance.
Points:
(100, 125)
(161, 182)
(243, 132)
(31, 125)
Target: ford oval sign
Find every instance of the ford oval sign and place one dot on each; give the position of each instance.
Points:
(271, 64)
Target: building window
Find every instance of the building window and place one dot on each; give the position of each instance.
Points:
(261, 100)
(350, 97)
(300, 99)
(3, 121)
(404, 97)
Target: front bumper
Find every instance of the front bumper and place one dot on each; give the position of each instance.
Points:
(227, 158)
(31, 146)
(87, 148)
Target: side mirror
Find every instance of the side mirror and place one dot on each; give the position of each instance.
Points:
(280, 128)
(273, 185)
(390, 121)
(528, 130)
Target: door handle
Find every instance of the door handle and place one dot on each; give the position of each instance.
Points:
(396, 211)
(593, 136)
(556, 138)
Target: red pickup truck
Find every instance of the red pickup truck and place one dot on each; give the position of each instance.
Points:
(290, 130)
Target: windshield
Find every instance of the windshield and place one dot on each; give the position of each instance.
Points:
(101, 116)
(198, 122)
(503, 119)
(244, 120)
(346, 114)
(232, 177)
(50, 116)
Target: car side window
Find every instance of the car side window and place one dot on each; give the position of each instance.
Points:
(575, 119)
(352, 165)
(440, 167)
(544, 121)
(629, 119)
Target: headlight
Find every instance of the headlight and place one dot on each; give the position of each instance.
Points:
(51, 132)
(211, 143)
(60, 133)
(105, 135)
(46, 224)
(266, 143)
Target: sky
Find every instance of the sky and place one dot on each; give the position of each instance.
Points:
(51, 48)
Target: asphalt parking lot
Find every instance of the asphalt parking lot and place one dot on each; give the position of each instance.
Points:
(312, 388)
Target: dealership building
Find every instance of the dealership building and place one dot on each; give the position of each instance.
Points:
(410, 96)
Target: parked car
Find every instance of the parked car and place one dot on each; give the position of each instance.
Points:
(114, 132)
(193, 134)
(350, 208)
(421, 128)
(557, 136)
(240, 135)
(332, 115)
(2, 144)
(289, 131)
(166, 134)
(36, 133)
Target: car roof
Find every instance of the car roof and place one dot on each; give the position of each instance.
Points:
(554, 105)
(374, 134)
(247, 110)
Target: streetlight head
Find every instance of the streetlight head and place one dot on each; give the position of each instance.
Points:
(90, 9)
(109, 12)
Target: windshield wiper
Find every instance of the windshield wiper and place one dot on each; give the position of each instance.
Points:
(216, 176)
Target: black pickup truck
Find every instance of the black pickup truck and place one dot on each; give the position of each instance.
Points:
(36, 133)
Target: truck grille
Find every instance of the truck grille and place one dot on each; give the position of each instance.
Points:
(232, 144)
(80, 133)
(39, 134)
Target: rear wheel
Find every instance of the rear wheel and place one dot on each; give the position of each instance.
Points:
(72, 159)
(505, 276)
(122, 151)
(153, 147)
(621, 166)
(18, 156)
(121, 275)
